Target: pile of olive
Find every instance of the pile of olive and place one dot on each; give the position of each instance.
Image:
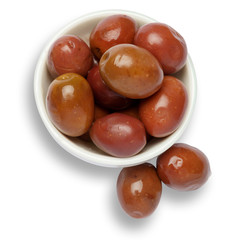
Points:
(181, 167)
(119, 93)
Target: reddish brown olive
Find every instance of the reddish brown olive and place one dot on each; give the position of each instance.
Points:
(163, 112)
(165, 43)
(119, 135)
(139, 190)
(131, 71)
(69, 54)
(111, 31)
(183, 167)
(70, 104)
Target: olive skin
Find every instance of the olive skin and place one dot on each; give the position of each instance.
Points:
(183, 167)
(165, 43)
(163, 112)
(70, 104)
(131, 71)
(110, 31)
(139, 190)
(119, 135)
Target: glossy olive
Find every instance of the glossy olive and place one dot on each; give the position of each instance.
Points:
(69, 54)
(131, 71)
(70, 104)
(119, 135)
(103, 95)
(139, 190)
(111, 31)
(165, 43)
(163, 112)
(183, 167)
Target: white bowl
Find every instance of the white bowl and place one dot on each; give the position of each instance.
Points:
(85, 150)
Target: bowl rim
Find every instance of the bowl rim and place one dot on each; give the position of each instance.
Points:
(83, 154)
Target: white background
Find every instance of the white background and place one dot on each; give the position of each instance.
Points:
(45, 193)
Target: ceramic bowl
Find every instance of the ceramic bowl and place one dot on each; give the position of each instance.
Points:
(84, 150)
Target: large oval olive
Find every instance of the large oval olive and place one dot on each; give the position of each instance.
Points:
(163, 112)
(110, 31)
(69, 54)
(165, 43)
(119, 135)
(70, 104)
(131, 71)
(139, 190)
(183, 167)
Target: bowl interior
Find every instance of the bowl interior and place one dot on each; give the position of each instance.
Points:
(86, 150)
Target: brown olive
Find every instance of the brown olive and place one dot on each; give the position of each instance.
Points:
(139, 190)
(69, 54)
(183, 167)
(165, 43)
(118, 134)
(70, 104)
(111, 31)
(163, 112)
(131, 71)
